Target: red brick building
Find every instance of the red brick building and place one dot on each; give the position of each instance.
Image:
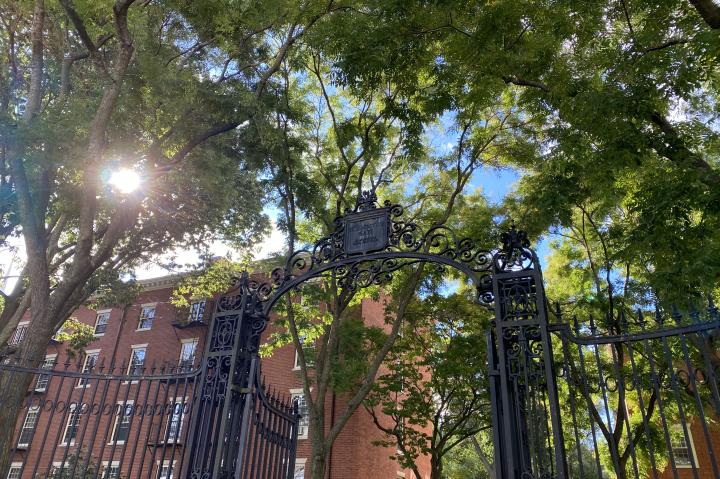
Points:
(154, 337)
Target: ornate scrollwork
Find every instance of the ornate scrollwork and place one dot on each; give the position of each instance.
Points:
(383, 242)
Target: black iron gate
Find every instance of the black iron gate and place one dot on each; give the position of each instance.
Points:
(631, 395)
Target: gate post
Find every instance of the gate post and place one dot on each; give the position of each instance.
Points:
(525, 407)
(225, 384)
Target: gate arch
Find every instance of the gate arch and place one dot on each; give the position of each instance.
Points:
(369, 243)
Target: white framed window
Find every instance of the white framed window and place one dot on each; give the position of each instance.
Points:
(175, 420)
(14, 471)
(188, 348)
(19, 333)
(683, 452)
(197, 310)
(43, 379)
(72, 424)
(309, 350)
(28, 427)
(123, 421)
(101, 321)
(136, 364)
(298, 397)
(147, 316)
(299, 468)
(165, 471)
(89, 363)
(110, 470)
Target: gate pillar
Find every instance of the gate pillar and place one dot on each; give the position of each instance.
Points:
(225, 385)
(526, 414)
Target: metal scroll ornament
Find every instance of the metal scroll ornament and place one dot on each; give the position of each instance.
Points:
(370, 242)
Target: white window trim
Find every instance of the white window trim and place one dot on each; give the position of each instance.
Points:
(88, 353)
(691, 445)
(15, 465)
(106, 464)
(121, 414)
(67, 425)
(183, 342)
(133, 347)
(35, 409)
(19, 325)
(143, 306)
(296, 392)
(48, 357)
(296, 366)
(300, 461)
(400, 474)
(166, 463)
(197, 301)
(97, 316)
(176, 400)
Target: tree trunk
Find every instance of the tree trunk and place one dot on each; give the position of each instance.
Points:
(436, 467)
(14, 386)
(318, 461)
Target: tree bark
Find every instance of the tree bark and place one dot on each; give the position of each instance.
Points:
(709, 11)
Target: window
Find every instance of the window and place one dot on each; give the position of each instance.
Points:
(166, 471)
(197, 310)
(683, 452)
(14, 472)
(137, 360)
(28, 426)
(19, 334)
(187, 354)
(147, 315)
(299, 469)
(121, 430)
(89, 363)
(44, 379)
(176, 418)
(299, 398)
(309, 354)
(111, 471)
(101, 322)
(71, 427)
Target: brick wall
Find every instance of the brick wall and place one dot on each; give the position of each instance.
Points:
(353, 455)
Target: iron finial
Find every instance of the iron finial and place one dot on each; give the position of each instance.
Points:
(514, 239)
(366, 200)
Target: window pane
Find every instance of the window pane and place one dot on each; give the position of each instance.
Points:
(197, 310)
(122, 428)
(19, 334)
(304, 421)
(187, 354)
(681, 451)
(101, 322)
(89, 364)
(28, 426)
(175, 420)
(299, 471)
(43, 379)
(72, 424)
(137, 362)
(147, 315)
(14, 473)
(165, 473)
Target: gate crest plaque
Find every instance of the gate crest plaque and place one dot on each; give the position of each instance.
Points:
(367, 231)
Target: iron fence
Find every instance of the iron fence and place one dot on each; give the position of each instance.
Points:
(121, 421)
(639, 394)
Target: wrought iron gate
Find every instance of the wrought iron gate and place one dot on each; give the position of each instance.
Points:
(628, 395)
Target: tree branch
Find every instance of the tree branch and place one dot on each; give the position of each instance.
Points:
(709, 11)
